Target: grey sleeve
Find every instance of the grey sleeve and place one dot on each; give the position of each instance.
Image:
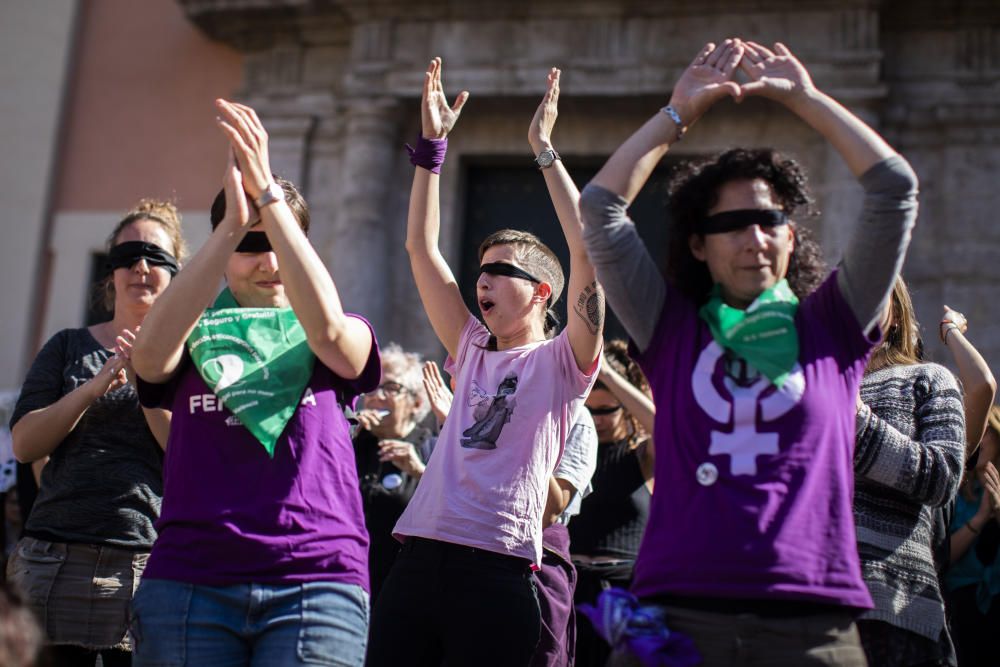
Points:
(928, 468)
(875, 253)
(632, 283)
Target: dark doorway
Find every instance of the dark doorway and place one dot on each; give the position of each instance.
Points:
(501, 195)
(96, 312)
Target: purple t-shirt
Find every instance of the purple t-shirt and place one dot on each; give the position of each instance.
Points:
(232, 515)
(754, 484)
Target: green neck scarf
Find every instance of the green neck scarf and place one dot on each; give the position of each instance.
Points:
(256, 360)
(764, 334)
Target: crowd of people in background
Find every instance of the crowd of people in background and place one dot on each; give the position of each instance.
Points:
(769, 471)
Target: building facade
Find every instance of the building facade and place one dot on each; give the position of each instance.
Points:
(337, 84)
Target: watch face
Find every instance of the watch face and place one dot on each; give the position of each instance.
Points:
(545, 158)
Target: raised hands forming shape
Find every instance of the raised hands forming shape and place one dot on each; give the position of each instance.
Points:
(540, 130)
(436, 116)
(248, 139)
(776, 74)
(708, 79)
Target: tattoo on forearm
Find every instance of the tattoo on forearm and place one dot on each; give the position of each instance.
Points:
(590, 307)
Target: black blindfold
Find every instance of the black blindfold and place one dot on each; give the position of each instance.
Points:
(509, 270)
(125, 255)
(733, 220)
(254, 242)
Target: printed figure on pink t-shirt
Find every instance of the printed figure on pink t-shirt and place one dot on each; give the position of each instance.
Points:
(489, 424)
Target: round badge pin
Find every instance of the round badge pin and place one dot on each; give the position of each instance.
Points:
(392, 481)
(707, 474)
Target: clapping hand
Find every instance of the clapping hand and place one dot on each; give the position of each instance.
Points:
(540, 130)
(437, 118)
(437, 392)
(123, 350)
(248, 140)
(110, 377)
(401, 454)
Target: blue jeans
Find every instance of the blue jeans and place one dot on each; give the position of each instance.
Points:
(318, 623)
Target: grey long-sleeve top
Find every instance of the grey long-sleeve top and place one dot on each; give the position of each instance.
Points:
(636, 290)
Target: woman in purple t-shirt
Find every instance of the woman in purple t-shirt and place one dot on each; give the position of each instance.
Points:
(750, 549)
(262, 550)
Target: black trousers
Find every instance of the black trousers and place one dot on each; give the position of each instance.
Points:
(446, 604)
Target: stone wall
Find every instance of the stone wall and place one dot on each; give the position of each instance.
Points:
(337, 84)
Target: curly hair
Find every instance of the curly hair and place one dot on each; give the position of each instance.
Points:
(694, 190)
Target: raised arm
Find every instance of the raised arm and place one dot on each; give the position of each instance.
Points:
(436, 283)
(584, 295)
(875, 254)
(159, 345)
(634, 286)
(632, 399)
(978, 384)
(342, 343)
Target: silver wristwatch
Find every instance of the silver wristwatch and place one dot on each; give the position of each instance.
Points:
(272, 193)
(546, 158)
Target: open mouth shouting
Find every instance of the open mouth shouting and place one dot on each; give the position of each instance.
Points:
(485, 306)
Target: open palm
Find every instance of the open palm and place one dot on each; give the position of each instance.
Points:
(775, 74)
(707, 80)
(436, 116)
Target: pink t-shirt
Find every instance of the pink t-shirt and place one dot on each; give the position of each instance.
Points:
(486, 483)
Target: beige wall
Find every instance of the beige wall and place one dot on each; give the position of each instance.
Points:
(139, 124)
(35, 39)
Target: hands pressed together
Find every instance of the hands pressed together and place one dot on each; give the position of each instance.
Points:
(711, 76)
(117, 370)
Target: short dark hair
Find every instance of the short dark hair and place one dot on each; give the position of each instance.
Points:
(536, 258)
(292, 195)
(694, 190)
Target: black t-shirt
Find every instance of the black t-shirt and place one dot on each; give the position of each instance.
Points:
(103, 484)
(385, 492)
(613, 517)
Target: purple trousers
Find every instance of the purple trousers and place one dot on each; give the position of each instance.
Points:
(556, 582)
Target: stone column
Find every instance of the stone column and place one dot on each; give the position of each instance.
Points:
(358, 254)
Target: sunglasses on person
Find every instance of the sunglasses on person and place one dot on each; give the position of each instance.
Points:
(609, 410)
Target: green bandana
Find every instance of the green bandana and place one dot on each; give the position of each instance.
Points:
(256, 360)
(764, 334)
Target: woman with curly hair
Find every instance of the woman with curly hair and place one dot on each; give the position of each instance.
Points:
(90, 530)
(605, 536)
(755, 362)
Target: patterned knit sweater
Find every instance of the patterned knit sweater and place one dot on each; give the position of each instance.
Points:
(907, 459)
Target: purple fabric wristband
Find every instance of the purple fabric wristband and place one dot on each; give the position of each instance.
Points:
(428, 154)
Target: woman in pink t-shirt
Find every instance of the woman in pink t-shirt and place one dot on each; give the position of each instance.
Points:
(461, 590)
